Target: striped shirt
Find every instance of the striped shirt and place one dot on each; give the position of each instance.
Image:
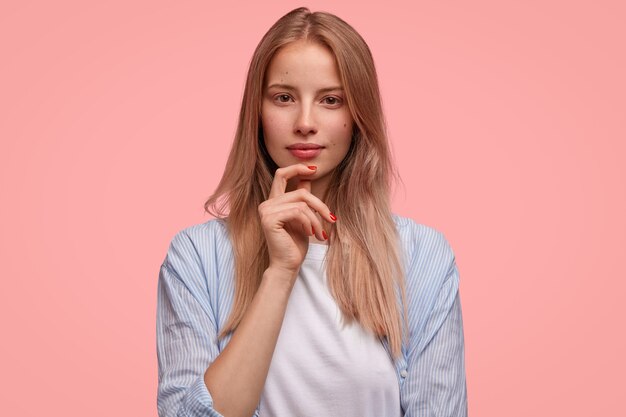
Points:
(195, 295)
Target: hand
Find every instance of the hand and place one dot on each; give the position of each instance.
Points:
(288, 219)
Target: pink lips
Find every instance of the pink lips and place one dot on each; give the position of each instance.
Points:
(305, 150)
(305, 153)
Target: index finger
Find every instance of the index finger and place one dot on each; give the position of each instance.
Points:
(284, 174)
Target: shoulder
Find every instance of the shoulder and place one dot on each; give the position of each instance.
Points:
(211, 229)
(197, 243)
(422, 240)
(425, 247)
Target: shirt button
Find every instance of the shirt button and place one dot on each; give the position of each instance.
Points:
(403, 373)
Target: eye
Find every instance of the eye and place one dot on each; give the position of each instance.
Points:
(280, 96)
(333, 100)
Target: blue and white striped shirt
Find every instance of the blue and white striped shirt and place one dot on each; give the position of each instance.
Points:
(195, 296)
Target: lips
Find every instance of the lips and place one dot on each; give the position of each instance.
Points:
(304, 146)
(305, 151)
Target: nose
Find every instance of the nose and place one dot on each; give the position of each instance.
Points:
(305, 123)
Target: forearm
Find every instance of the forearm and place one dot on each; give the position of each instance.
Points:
(237, 376)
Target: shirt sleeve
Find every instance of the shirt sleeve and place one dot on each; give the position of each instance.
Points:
(435, 384)
(186, 334)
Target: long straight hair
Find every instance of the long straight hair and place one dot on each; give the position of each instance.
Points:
(363, 263)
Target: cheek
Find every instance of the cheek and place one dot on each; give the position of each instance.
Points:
(273, 122)
(341, 132)
(269, 129)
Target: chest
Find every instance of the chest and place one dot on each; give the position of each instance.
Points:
(323, 365)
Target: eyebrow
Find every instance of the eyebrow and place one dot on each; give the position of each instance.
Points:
(290, 87)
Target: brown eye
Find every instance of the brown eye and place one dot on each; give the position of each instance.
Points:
(333, 100)
(282, 96)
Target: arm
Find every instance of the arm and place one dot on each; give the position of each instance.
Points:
(196, 380)
(187, 341)
(186, 344)
(238, 375)
(435, 384)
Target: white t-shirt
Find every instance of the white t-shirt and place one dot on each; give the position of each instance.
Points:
(320, 368)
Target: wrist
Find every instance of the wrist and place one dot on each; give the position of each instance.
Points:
(279, 278)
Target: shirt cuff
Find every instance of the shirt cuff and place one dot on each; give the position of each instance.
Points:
(198, 400)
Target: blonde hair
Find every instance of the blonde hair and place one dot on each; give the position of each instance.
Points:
(363, 264)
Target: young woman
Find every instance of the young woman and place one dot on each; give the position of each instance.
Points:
(306, 296)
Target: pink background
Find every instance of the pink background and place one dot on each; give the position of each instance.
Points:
(508, 125)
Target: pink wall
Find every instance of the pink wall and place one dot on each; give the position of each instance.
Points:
(507, 121)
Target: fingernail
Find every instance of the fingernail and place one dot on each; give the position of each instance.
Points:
(332, 216)
(312, 230)
(313, 167)
(325, 235)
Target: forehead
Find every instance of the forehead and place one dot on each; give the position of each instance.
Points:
(303, 63)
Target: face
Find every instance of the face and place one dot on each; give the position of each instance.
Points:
(304, 106)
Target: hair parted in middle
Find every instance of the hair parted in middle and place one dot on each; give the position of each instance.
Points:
(364, 264)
